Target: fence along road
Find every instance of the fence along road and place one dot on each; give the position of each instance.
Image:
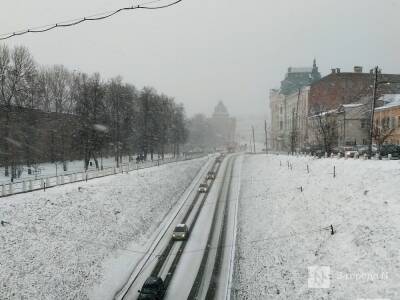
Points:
(43, 183)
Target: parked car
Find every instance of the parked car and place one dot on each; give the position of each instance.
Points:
(335, 150)
(306, 149)
(153, 289)
(387, 149)
(210, 175)
(364, 149)
(350, 151)
(219, 159)
(317, 151)
(181, 232)
(203, 188)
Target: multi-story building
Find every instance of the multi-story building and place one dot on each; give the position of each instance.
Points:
(387, 118)
(344, 126)
(349, 96)
(278, 117)
(340, 88)
(353, 124)
(223, 126)
(346, 97)
(289, 109)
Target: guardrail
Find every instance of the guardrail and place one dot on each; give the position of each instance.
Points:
(332, 155)
(44, 183)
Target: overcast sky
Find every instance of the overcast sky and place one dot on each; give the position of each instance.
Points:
(201, 51)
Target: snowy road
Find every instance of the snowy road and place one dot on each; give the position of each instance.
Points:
(192, 261)
(163, 244)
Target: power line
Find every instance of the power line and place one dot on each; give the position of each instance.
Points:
(96, 17)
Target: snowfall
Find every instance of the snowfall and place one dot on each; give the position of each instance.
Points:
(81, 240)
(285, 246)
(307, 228)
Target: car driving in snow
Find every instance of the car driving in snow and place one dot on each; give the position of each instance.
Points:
(203, 188)
(153, 289)
(210, 175)
(181, 232)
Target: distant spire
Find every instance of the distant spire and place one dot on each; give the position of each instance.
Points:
(316, 75)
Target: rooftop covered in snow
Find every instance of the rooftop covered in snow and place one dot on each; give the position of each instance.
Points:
(389, 101)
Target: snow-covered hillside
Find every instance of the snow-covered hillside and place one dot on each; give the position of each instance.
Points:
(283, 230)
(53, 244)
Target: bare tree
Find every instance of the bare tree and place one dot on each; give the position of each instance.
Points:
(120, 101)
(201, 135)
(88, 94)
(324, 126)
(17, 71)
(381, 133)
(51, 114)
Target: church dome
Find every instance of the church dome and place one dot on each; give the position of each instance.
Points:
(220, 110)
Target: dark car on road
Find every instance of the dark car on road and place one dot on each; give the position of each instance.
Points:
(153, 289)
(181, 232)
(210, 175)
(203, 188)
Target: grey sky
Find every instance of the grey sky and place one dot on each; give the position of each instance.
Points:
(201, 51)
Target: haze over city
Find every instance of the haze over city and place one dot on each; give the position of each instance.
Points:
(199, 149)
(204, 51)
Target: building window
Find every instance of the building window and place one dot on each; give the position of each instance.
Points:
(281, 110)
(281, 125)
(363, 123)
(392, 123)
(398, 121)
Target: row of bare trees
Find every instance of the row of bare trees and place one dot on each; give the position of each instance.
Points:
(91, 117)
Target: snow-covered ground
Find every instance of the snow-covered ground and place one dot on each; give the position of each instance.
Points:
(53, 244)
(56, 169)
(283, 231)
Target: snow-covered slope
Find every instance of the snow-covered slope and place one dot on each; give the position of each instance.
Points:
(53, 243)
(283, 231)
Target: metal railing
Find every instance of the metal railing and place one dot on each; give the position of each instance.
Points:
(43, 183)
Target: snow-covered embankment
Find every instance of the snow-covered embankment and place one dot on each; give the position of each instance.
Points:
(53, 244)
(284, 230)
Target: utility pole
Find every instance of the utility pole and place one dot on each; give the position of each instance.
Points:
(293, 135)
(371, 129)
(266, 137)
(250, 145)
(254, 141)
(295, 119)
(297, 125)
